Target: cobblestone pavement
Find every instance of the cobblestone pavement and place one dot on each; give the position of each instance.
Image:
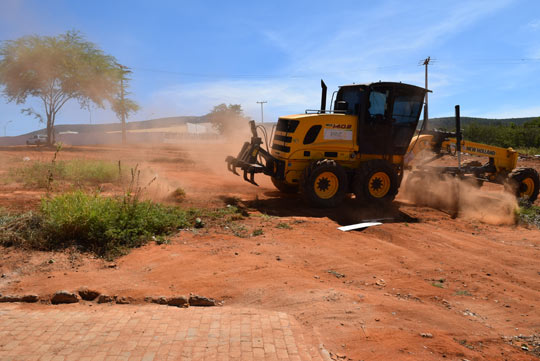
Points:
(149, 332)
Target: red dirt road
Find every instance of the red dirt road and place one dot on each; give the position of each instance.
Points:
(368, 295)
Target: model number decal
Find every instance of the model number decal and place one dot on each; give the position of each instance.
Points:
(339, 126)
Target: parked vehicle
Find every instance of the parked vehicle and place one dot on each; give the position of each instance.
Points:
(37, 139)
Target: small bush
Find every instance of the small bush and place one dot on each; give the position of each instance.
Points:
(106, 226)
(283, 226)
(21, 230)
(178, 195)
(257, 232)
(239, 230)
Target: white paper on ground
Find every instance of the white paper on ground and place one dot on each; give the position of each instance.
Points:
(358, 226)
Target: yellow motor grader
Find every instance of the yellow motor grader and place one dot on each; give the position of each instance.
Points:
(500, 166)
(362, 145)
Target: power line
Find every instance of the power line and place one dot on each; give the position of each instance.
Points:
(479, 61)
(255, 76)
(495, 61)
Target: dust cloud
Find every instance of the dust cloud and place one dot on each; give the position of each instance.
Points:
(460, 197)
(165, 167)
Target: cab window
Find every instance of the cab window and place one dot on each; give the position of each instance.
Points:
(377, 103)
(407, 108)
(353, 98)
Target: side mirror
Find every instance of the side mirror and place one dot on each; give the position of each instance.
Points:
(341, 106)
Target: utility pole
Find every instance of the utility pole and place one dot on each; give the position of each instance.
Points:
(123, 107)
(123, 72)
(5, 127)
(262, 113)
(426, 117)
(90, 113)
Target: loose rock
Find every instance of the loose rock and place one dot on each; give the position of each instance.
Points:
(179, 301)
(105, 299)
(10, 298)
(30, 298)
(87, 294)
(196, 300)
(426, 335)
(162, 300)
(123, 300)
(64, 297)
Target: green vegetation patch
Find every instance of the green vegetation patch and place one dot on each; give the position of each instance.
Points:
(79, 172)
(89, 222)
(106, 226)
(525, 136)
(529, 214)
(283, 226)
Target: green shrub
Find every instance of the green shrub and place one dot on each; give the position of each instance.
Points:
(106, 226)
(178, 195)
(257, 232)
(283, 226)
(528, 213)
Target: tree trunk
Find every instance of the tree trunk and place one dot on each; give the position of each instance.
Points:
(123, 129)
(50, 130)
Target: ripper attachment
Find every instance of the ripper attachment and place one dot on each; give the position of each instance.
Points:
(253, 159)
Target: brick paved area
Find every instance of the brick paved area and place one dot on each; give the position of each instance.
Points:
(148, 332)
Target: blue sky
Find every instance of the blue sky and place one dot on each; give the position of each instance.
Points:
(189, 56)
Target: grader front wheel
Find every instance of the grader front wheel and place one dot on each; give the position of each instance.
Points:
(324, 183)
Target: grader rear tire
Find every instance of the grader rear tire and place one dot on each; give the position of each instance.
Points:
(376, 182)
(324, 184)
(524, 183)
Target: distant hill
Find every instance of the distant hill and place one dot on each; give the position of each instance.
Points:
(110, 127)
(84, 134)
(450, 122)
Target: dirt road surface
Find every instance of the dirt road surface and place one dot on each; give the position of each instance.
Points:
(422, 286)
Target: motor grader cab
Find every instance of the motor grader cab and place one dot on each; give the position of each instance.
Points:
(356, 147)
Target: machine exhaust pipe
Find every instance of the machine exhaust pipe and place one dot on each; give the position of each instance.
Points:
(323, 96)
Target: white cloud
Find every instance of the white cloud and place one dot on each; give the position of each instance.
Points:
(534, 25)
